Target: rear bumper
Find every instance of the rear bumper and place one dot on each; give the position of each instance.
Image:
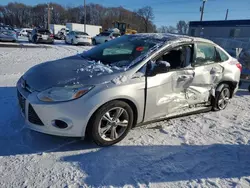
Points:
(49, 40)
(83, 41)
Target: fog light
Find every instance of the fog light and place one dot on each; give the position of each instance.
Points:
(60, 124)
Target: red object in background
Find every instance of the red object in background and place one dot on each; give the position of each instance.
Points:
(52, 36)
(140, 48)
(239, 66)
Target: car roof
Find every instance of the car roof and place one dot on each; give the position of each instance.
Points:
(166, 37)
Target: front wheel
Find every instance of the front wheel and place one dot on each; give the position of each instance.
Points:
(110, 123)
(222, 98)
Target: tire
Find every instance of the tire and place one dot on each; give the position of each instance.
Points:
(99, 120)
(72, 41)
(249, 88)
(222, 97)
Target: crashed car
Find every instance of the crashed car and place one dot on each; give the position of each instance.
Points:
(128, 81)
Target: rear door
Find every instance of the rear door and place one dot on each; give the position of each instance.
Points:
(208, 73)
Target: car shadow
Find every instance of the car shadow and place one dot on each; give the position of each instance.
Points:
(133, 165)
(16, 139)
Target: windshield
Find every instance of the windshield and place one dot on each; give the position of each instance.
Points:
(121, 51)
(80, 33)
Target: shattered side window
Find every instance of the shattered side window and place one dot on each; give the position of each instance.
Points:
(223, 56)
(205, 54)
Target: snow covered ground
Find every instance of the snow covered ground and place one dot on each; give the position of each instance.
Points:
(204, 150)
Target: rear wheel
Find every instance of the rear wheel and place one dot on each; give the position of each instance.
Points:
(110, 123)
(222, 97)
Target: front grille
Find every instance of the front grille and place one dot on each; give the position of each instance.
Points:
(33, 117)
(21, 101)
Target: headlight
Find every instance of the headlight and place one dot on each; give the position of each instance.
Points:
(59, 94)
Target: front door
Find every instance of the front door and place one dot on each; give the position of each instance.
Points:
(166, 91)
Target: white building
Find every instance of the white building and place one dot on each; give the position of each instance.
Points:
(92, 30)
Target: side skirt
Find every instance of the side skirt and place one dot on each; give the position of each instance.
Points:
(197, 110)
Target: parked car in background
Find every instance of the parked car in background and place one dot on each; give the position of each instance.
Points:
(78, 37)
(25, 32)
(39, 35)
(60, 35)
(128, 81)
(7, 33)
(105, 37)
(17, 31)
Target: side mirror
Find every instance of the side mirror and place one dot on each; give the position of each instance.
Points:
(158, 67)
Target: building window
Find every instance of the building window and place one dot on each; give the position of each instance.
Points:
(234, 33)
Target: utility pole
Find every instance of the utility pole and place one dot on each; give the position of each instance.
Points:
(49, 9)
(202, 9)
(85, 15)
(226, 14)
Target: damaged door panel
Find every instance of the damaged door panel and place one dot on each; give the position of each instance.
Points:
(166, 91)
(208, 74)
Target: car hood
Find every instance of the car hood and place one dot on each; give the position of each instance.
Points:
(70, 71)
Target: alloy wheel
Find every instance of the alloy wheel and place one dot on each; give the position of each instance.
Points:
(113, 124)
(224, 98)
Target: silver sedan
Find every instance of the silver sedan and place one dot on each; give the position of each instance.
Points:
(7, 34)
(128, 81)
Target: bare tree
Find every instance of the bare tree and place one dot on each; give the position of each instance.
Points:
(147, 16)
(166, 29)
(182, 27)
(21, 15)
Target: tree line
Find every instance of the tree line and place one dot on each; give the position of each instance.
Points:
(21, 15)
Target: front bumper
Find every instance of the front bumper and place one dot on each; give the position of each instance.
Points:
(41, 116)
